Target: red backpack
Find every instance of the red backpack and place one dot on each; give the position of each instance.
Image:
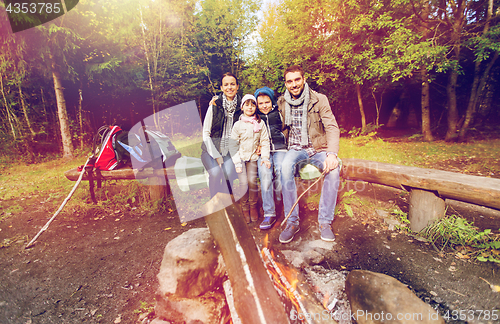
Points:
(104, 148)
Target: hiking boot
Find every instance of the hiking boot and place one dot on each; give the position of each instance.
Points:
(268, 222)
(254, 214)
(326, 232)
(246, 216)
(287, 235)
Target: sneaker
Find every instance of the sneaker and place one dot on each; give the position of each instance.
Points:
(326, 232)
(287, 235)
(268, 222)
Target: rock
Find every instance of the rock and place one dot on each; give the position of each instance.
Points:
(312, 257)
(320, 244)
(378, 298)
(159, 321)
(382, 213)
(294, 257)
(392, 223)
(190, 265)
(211, 308)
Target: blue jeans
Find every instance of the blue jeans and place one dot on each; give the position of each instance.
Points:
(329, 191)
(267, 185)
(216, 179)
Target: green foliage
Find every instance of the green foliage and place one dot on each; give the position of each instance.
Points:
(402, 217)
(347, 199)
(453, 231)
(145, 307)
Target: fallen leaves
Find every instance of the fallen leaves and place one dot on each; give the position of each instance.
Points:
(494, 288)
(461, 256)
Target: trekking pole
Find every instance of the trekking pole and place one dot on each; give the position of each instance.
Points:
(46, 226)
(302, 194)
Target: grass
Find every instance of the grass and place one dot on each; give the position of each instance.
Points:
(25, 180)
(188, 145)
(459, 234)
(477, 157)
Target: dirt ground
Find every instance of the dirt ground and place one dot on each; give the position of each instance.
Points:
(101, 267)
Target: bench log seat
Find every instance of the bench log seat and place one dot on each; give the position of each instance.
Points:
(156, 178)
(122, 174)
(428, 187)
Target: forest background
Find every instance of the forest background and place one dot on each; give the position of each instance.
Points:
(432, 65)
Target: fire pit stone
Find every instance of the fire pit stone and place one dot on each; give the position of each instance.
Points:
(190, 281)
(190, 265)
(376, 297)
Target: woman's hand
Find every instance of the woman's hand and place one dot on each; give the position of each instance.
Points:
(266, 163)
(219, 160)
(257, 151)
(239, 170)
(212, 102)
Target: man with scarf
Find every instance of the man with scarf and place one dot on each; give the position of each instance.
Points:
(313, 137)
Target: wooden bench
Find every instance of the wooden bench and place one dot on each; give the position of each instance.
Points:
(157, 187)
(428, 188)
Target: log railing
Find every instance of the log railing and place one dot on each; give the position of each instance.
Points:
(428, 187)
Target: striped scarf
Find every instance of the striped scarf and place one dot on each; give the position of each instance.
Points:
(229, 108)
(304, 102)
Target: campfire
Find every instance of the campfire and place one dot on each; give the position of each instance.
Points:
(299, 303)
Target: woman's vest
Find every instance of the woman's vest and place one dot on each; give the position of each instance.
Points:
(274, 123)
(219, 120)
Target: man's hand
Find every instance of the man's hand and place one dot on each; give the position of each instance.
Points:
(331, 163)
(219, 160)
(267, 163)
(239, 170)
(257, 151)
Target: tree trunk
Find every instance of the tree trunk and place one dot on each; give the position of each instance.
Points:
(361, 109)
(451, 133)
(426, 115)
(451, 88)
(424, 74)
(62, 112)
(475, 90)
(377, 106)
(80, 116)
(9, 113)
(44, 129)
(25, 110)
(146, 53)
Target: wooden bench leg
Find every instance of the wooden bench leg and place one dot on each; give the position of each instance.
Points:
(425, 208)
(158, 188)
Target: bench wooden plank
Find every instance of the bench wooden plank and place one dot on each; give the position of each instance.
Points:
(123, 174)
(473, 189)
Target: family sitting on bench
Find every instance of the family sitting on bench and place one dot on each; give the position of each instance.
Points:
(241, 141)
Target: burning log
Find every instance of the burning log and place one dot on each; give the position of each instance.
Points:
(255, 298)
(299, 300)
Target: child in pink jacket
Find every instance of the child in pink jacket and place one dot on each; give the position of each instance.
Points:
(248, 133)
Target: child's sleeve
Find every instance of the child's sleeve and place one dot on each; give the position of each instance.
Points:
(234, 145)
(264, 142)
